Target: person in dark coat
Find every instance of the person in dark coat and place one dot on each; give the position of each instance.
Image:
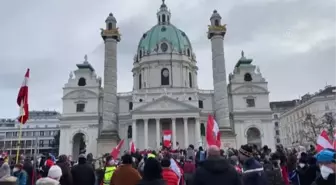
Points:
(152, 173)
(82, 173)
(215, 170)
(273, 170)
(28, 167)
(252, 172)
(64, 164)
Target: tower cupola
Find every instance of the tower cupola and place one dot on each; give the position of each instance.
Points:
(163, 14)
(111, 22)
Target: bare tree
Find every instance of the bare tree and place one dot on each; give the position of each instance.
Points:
(313, 127)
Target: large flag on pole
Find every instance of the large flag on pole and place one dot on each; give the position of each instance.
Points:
(323, 141)
(22, 100)
(132, 147)
(167, 135)
(115, 152)
(212, 132)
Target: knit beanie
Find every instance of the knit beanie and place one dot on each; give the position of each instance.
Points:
(246, 150)
(55, 172)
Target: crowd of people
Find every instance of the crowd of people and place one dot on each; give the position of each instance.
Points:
(246, 166)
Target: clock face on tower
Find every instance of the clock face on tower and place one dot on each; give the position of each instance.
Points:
(165, 73)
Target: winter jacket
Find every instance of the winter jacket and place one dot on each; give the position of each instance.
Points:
(47, 181)
(28, 167)
(253, 173)
(82, 173)
(273, 175)
(189, 167)
(216, 171)
(21, 177)
(329, 181)
(66, 178)
(169, 176)
(125, 175)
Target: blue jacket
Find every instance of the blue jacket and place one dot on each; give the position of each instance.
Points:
(253, 173)
(21, 177)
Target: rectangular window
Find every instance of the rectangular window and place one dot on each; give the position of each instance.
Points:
(130, 105)
(15, 134)
(41, 133)
(250, 102)
(277, 132)
(80, 107)
(200, 104)
(28, 143)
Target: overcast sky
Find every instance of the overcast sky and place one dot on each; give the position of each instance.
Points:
(293, 42)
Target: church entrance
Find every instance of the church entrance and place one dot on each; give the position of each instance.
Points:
(79, 145)
(254, 136)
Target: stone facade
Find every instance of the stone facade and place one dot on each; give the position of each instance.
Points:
(165, 95)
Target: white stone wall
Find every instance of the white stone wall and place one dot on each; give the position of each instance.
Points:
(291, 121)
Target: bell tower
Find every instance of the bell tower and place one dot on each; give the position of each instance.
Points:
(216, 33)
(109, 126)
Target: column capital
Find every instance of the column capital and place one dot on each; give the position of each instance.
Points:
(134, 120)
(173, 119)
(157, 119)
(185, 118)
(197, 119)
(145, 120)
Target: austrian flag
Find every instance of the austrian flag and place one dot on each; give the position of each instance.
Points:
(212, 132)
(22, 100)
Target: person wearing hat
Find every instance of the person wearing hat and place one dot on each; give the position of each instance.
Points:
(83, 173)
(252, 171)
(53, 178)
(327, 160)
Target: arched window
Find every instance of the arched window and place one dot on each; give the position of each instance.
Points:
(247, 77)
(140, 81)
(190, 80)
(188, 52)
(216, 22)
(164, 76)
(109, 27)
(254, 136)
(163, 18)
(81, 82)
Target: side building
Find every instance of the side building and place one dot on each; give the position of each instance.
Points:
(278, 108)
(293, 131)
(38, 132)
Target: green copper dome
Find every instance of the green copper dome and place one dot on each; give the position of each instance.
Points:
(153, 41)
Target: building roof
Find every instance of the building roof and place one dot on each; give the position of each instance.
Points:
(283, 105)
(175, 38)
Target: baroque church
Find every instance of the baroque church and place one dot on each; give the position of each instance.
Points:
(165, 95)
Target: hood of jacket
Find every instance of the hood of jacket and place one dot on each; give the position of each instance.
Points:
(216, 165)
(47, 181)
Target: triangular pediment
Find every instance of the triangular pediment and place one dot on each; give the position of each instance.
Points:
(80, 94)
(165, 103)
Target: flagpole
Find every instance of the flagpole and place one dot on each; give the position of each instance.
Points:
(20, 133)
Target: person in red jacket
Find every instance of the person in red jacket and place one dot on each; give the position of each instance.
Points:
(189, 169)
(168, 174)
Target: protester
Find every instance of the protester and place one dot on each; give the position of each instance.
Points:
(152, 173)
(20, 174)
(53, 177)
(189, 169)
(64, 164)
(28, 167)
(327, 160)
(125, 174)
(215, 170)
(5, 177)
(253, 171)
(168, 174)
(82, 173)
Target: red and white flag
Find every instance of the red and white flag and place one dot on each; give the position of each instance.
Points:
(323, 141)
(132, 147)
(334, 143)
(212, 132)
(22, 100)
(167, 135)
(115, 152)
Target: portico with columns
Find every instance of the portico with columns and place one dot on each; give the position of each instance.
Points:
(166, 113)
(185, 131)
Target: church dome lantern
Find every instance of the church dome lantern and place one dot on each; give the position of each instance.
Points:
(164, 38)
